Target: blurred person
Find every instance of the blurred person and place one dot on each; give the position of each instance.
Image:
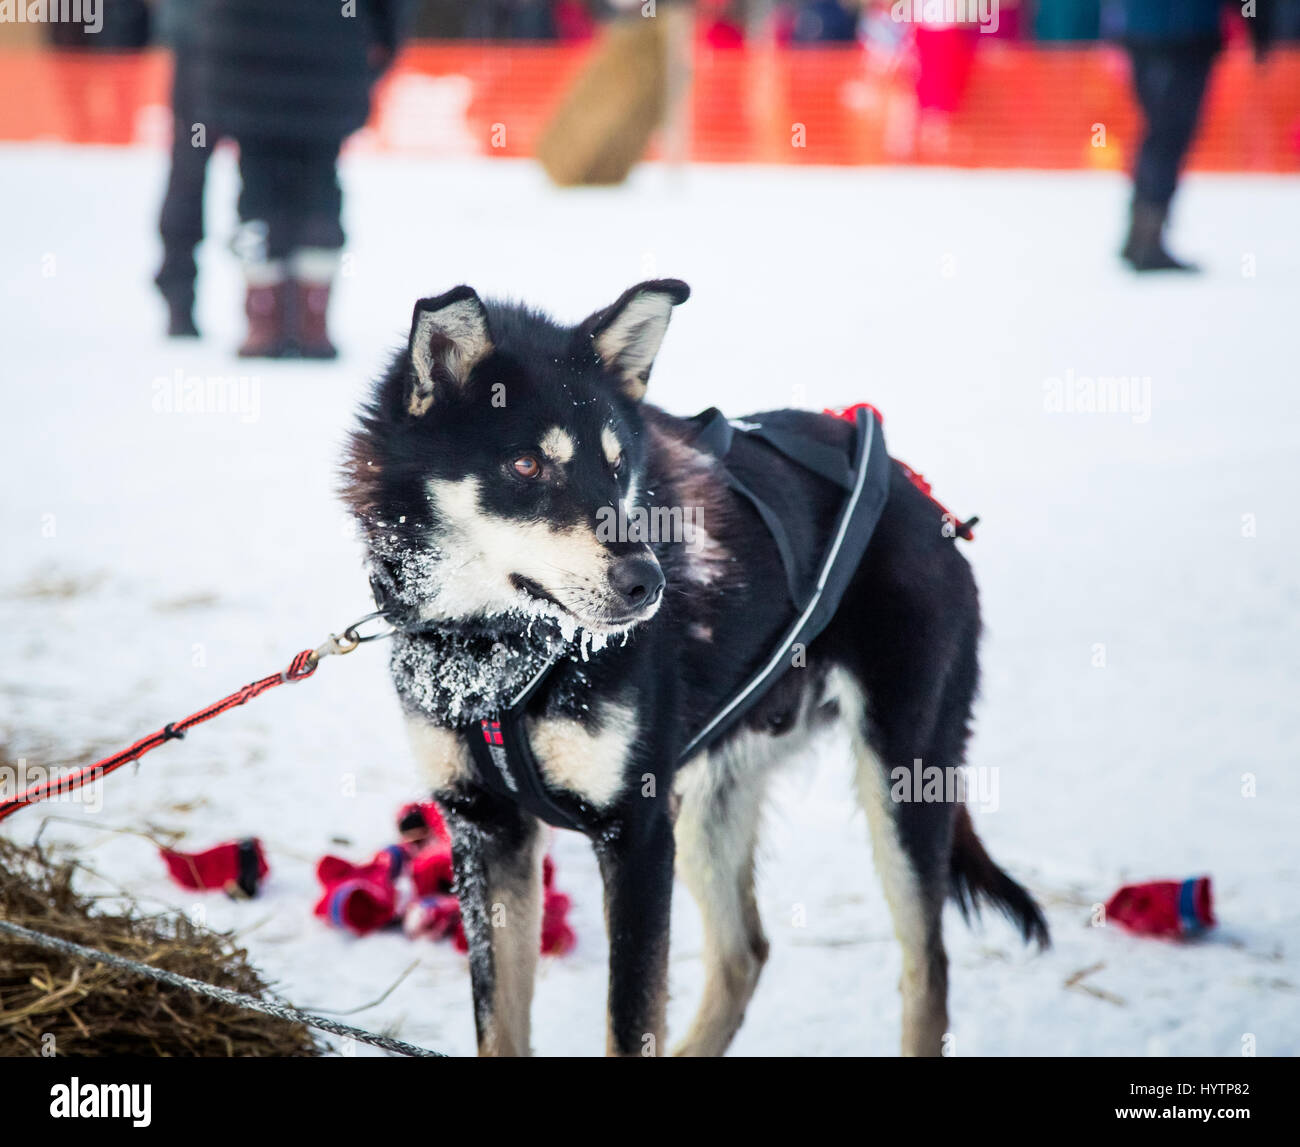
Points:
(510, 20)
(573, 20)
(1067, 19)
(290, 81)
(1172, 45)
(100, 102)
(945, 56)
(824, 22)
(181, 221)
(1286, 20)
(721, 24)
(123, 26)
(1006, 20)
(945, 59)
(925, 59)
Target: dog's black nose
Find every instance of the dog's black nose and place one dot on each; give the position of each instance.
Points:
(639, 581)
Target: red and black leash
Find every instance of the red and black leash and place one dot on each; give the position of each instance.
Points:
(300, 668)
(304, 665)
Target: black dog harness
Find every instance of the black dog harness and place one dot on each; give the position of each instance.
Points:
(500, 746)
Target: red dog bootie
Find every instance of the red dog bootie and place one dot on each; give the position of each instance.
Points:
(435, 911)
(437, 917)
(421, 824)
(558, 938)
(414, 882)
(431, 873)
(238, 867)
(1164, 908)
(360, 897)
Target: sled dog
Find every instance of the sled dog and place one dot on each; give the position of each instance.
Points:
(497, 474)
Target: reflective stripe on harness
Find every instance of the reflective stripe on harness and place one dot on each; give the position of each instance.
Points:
(856, 524)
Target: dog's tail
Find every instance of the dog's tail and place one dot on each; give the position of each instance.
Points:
(976, 878)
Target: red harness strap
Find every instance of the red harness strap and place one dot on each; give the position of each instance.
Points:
(960, 529)
(302, 667)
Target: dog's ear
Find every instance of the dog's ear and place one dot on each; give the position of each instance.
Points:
(627, 335)
(449, 337)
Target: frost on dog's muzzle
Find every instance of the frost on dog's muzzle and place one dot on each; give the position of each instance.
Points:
(387, 595)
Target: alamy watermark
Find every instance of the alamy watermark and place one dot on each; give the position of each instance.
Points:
(1104, 394)
(89, 13)
(981, 12)
(652, 524)
(77, 1100)
(952, 784)
(19, 778)
(210, 394)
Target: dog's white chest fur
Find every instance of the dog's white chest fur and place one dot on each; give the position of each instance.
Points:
(573, 755)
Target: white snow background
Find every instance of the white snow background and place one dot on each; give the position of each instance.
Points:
(1139, 577)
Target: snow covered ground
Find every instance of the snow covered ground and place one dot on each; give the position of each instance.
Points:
(1138, 568)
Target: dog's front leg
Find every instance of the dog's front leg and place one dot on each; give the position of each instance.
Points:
(496, 853)
(636, 862)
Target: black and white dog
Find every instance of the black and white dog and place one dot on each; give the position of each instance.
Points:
(484, 474)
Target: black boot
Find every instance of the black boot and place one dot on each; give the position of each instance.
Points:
(175, 283)
(180, 317)
(1144, 250)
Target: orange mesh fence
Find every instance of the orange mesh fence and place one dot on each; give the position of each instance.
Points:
(1025, 106)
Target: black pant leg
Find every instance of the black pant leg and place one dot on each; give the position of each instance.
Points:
(1170, 84)
(267, 198)
(292, 188)
(321, 197)
(181, 219)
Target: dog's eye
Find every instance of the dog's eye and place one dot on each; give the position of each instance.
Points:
(527, 466)
(618, 464)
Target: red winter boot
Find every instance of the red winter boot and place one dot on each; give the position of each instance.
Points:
(1164, 907)
(238, 867)
(267, 308)
(312, 270)
(360, 897)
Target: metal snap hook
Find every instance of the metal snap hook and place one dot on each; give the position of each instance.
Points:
(336, 645)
